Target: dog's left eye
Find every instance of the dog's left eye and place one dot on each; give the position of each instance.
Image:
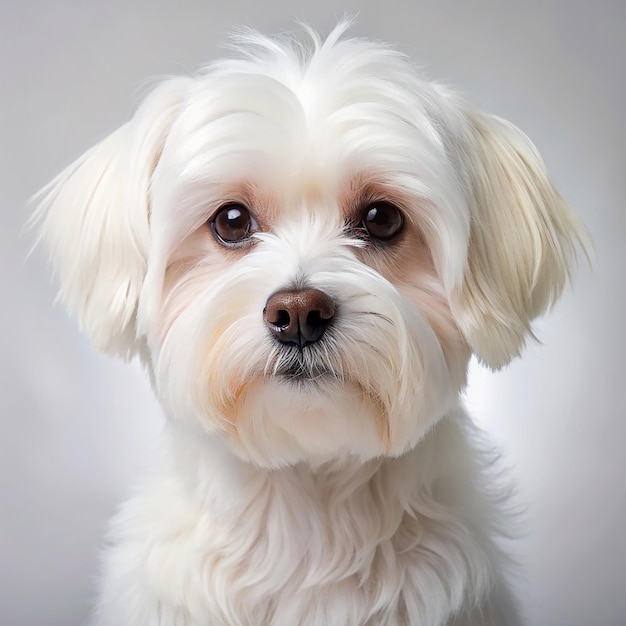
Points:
(233, 224)
(382, 220)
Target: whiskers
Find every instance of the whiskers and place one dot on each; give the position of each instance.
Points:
(313, 363)
(341, 355)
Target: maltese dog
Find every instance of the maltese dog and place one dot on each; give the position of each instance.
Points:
(305, 245)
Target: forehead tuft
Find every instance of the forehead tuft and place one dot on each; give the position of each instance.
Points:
(340, 98)
(327, 75)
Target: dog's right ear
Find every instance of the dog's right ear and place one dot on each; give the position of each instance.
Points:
(524, 239)
(94, 221)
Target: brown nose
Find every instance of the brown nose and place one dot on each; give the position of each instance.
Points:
(298, 316)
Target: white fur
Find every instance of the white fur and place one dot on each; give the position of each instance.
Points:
(361, 496)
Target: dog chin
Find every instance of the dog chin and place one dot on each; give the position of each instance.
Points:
(287, 419)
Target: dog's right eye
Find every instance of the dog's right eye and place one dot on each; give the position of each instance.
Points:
(233, 224)
(382, 220)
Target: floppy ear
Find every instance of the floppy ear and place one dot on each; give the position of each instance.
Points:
(94, 221)
(523, 240)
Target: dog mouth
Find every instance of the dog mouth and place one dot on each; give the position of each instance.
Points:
(301, 366)
(301, 374)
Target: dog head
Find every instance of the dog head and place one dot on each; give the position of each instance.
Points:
(306, 244)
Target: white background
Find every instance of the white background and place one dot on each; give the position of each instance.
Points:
(76, 426)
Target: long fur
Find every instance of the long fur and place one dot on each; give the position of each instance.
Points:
(355, 491)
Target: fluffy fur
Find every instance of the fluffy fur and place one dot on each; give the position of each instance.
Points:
(341, 484)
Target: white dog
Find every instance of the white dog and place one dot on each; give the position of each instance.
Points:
(304, 246)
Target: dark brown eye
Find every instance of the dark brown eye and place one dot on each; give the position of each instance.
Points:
(233, 224)
(382, 220)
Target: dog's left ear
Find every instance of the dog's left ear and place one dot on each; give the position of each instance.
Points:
(94, 220)
(523, 238)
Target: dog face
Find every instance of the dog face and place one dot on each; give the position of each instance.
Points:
(305, 247)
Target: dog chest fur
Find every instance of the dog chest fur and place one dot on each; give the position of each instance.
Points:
(389, 542)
